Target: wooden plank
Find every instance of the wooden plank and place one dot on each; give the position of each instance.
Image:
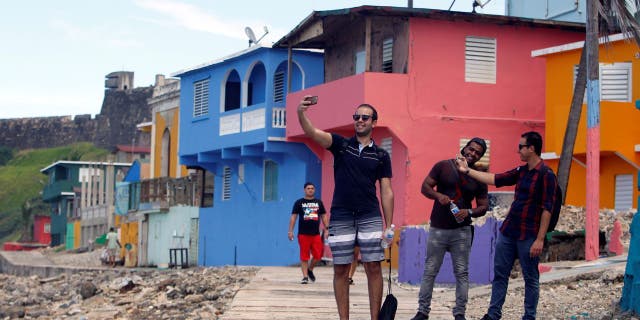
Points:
(275, 293)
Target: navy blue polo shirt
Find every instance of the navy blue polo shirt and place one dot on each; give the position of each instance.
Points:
(356, 172)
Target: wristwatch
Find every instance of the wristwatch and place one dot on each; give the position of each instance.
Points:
(470, 212)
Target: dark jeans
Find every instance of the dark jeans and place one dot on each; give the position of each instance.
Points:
(458, 243)
(507, 251)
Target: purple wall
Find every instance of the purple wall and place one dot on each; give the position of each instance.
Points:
(413, 243)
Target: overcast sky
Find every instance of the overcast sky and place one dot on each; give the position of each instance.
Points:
(54, 54)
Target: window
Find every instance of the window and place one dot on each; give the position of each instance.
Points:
(615, 82)
(201, 98)
(207, 189)
(361, 58)
(226, 183)
(165, 154)
(270, 180)
(61, 173)
(232, 91)
(256, 88)
(47, 228)
(484, 161)
(241, 173)
(278, 86)
(387, 55)
(386, 144)
(480, 60)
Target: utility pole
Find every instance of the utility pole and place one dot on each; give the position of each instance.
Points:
(592, 248)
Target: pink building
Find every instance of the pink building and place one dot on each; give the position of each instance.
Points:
(437, 78)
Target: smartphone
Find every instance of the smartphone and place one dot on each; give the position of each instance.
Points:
(313, 99)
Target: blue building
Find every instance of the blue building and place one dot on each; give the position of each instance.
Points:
(232, 124)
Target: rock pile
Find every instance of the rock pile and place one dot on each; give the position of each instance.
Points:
(199, 293)
(589, 296)
(572, 219)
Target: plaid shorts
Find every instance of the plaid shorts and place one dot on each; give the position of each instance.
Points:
(348, 229)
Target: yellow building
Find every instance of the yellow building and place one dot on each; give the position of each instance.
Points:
(619, 120)
(165, 108)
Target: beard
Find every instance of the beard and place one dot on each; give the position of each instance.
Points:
(364, 133)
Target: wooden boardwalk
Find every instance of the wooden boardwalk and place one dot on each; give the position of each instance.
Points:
(275, 293)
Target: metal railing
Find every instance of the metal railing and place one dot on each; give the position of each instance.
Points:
(279, 118)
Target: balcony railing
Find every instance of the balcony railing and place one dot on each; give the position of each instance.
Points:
(166, 192)
(279, 118)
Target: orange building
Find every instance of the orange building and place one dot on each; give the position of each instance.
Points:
(619, 119)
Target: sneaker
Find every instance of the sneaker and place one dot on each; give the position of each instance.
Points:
(459, 317)
(305, 280)
(312, 276)
(420, 316)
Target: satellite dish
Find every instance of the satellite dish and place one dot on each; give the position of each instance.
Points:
(252, 36)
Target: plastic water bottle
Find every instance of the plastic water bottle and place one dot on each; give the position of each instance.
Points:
(455, 210)
(388, 237)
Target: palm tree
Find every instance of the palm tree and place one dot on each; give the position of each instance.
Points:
(604, 17)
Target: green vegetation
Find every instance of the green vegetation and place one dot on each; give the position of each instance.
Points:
(22, 181)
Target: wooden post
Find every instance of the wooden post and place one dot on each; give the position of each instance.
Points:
(592, 248)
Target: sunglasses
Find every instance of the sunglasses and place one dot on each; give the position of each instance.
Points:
(520, 146)
(364, 117)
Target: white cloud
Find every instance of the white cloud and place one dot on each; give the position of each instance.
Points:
(98, 35)
(194, 18)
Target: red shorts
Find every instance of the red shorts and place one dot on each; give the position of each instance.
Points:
(310, 243)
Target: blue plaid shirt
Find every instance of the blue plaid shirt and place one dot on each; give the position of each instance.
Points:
(523, 220)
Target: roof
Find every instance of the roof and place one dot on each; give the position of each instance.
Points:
(134, 149)
(82, 163)
(311, 33)
(577, 45)
(217, 61)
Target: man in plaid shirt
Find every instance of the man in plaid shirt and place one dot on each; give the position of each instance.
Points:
(523, 231)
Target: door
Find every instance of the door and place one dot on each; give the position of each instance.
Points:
(623, 192)
(193, 242)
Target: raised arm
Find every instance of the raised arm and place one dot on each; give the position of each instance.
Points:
(386, 196)
(484, 177)
(323, 138)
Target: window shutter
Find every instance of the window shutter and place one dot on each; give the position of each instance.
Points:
(480, 59)
(201, 98)
(615, 82)
(278, 87)
(387, 55)
(226, 183)
(386, 144)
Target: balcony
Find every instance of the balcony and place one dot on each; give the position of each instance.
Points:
(163, 193)
(54, 190)
(337, 100)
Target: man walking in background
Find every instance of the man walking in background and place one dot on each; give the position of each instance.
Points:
(308, 211)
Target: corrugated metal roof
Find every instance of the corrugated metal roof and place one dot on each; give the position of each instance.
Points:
(119, 164)
(316, 16)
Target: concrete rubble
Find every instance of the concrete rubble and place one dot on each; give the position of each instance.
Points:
(197, 293)
(206, 293)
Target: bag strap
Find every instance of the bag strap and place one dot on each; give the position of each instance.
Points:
(459, 181)
(389, 282)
